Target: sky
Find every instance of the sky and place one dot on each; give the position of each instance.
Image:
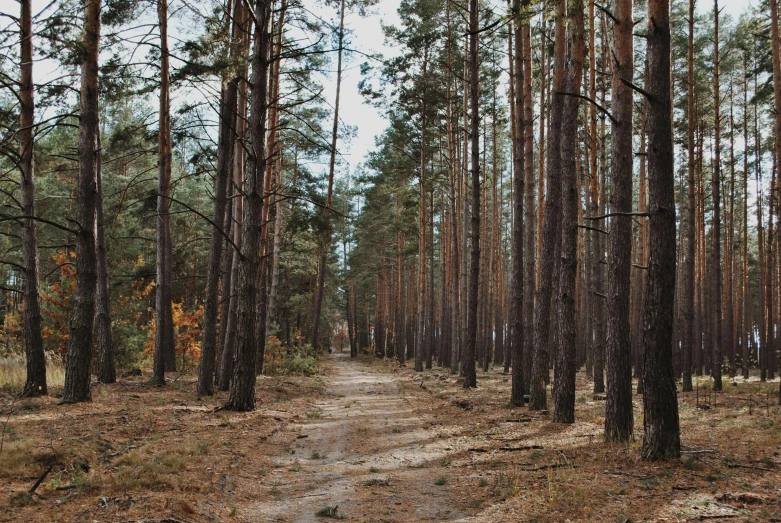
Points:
(367, 37)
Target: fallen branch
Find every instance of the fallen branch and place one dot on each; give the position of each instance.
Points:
(40, 480)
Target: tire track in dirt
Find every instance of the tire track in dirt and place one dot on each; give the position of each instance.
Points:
(368, 448)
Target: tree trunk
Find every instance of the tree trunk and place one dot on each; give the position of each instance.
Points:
(660, 403)
(470, 376)
(688, 315)
(242, 389)
(715, 275)
(164, 359)
(619, 418)
(205, 386)
(103, 341)
(520, 15)
(564, 382)
(529, 213)
(326, 246)
(35, 384)
(551, 229)
(776, 50)
(77, 370)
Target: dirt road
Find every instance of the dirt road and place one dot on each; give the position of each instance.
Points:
(369, 449)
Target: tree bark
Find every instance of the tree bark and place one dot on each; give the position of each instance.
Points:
(205, 386)
(660, 403)
(619, 418)
(715, 276)
(688, 314)
(104, 343)
(35, 384)
(165, 355)
(242, 389)
(520, 13)
(470, 375)
(566, 355)
(77, 370)
(551, 229)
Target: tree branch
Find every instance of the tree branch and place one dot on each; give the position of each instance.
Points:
(586, 98)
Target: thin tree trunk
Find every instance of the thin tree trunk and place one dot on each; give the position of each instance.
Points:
(35, 384)
(551, 229)
(103, 342)
(715, 276)
(470, 376)
(689, 335)
(519, 179)
(165, 355)
(326, 246)
(205, 386)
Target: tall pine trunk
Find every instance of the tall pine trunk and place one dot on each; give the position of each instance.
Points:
(660, 402)
(242, 387)
(165, 355)
(103, 341)
(619, 419)
(35, 384)
(77, 370)
(564, 383)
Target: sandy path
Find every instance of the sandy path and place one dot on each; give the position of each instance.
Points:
(367, 447)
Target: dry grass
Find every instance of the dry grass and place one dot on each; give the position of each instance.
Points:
(13, 371)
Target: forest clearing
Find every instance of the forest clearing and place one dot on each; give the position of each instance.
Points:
(381, 443)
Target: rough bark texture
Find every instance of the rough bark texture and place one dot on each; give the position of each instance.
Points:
(103, 341)
(529, 212)
(205, 386)
(551, 229)
(470, 375)
(774, 32)
(77, 371)
(519, 182)
(688, 313)
(165, 355)
(35, 384)
(242, 389)
(564, 384)
(715, 275)
(619, 418)
(660, 402)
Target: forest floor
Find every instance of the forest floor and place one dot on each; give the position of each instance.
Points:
(369, 441)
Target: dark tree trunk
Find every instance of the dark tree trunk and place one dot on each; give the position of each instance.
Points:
(715, 276)
(688, 336)
(564, 383)
(104, 343)
(619, 419)
(77, 371)
(470, 375)
(242, 389)
(165, 355)
(35, 384)
(519, 180)
(551, 228)
(660, 402)
(529, 213)
(205, 386)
